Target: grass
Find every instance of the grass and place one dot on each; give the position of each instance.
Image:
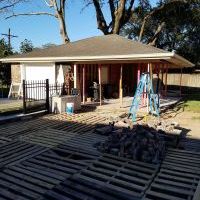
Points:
(192, 103)
(10, 108)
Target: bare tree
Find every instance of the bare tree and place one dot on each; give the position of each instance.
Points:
(120, 11)
(6, 5)
(57, 10)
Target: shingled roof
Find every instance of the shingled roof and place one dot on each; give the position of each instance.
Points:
(100, 48)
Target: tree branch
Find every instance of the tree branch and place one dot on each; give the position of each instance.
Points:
(118, 16)
(160, 27)
(62, 7)
(112, 9)
(49, 4)
(55, 5)
(150, 14)
(102, 25)
(30, 14)
(10, 5)
(128, 13)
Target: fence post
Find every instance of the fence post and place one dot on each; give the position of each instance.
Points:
(47, 95)
(24, 96)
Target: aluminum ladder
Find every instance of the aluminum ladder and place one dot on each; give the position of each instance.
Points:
(145, 85)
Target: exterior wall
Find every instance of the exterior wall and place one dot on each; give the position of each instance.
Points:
(38, 71)
(15, 73)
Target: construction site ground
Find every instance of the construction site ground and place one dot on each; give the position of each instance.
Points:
(53, 157)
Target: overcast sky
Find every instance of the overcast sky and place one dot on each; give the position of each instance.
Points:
(44, 29)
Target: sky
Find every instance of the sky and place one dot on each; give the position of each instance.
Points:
(45, 29)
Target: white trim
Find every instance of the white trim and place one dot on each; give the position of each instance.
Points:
(87, 58)
(169, 56)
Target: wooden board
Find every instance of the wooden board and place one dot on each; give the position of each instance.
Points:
(108, 177)
(16, 151)
(33, 177)
(178, 177)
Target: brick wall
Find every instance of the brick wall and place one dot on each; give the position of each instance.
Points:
(15, 73)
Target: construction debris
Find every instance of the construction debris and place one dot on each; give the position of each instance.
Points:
(141, 143)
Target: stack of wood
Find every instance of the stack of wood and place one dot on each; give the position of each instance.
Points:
(141, 143)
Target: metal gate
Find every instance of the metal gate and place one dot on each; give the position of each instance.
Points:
(37, 94)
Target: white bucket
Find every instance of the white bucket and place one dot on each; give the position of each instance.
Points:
(69, 108)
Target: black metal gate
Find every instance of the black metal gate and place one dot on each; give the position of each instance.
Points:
(35, 96)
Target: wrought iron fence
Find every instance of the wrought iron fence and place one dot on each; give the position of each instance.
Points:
(36, 94)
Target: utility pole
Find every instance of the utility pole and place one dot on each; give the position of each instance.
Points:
(9, 36)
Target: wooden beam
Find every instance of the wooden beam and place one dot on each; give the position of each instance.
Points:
(75, 76)
(181, 82)
(83, 84)
(120, 85)
(151, 71)
(100, 86)
(166, 72)
(147, 99)
(138, 73)
(162, 79)
(158, 79)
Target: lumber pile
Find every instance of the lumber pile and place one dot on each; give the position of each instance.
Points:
(141, 143)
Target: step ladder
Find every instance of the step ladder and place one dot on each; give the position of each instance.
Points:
(15, 90)
(144, 86)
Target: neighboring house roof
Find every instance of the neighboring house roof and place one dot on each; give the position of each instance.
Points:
(100, 48)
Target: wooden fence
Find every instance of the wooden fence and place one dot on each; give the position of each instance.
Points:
(188, 80)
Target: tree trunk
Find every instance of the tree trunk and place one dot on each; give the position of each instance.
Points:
(118, 17)
(153, 40)
(63, 31)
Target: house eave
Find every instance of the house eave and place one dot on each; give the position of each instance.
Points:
(170, 57)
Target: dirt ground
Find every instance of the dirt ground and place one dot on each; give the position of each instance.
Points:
(190, 121)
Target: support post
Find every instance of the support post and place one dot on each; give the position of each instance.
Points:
(147, 96)
(120, 85)
(47, 95)
(151, 71)
(75, 76)
(166, 72)
(138, 74)
(100, 86)
(158, 79)
(162, 79)
(181, 82)
(24, 96)
(83, 84)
